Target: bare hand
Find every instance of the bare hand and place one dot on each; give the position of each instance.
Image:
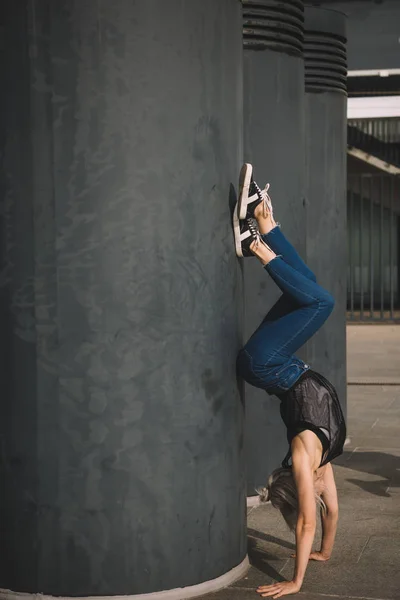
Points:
(315, 556)
(281, 588)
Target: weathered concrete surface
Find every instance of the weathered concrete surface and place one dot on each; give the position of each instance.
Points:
(373, 354)
(121, 422)
(273, 109)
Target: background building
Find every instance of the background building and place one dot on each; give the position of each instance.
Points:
(373, 214)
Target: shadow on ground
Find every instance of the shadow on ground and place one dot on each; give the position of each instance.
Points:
(380, 464)
(260, 559)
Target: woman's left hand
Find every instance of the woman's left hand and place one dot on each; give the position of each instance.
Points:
(281, 588)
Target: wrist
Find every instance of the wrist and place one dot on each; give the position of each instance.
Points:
(298, 582)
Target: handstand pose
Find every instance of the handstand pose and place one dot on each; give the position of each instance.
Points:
(310, 409)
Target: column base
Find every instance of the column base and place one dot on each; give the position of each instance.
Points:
(212, 585)
(252, 501)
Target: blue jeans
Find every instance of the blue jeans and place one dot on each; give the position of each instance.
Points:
(267, 360)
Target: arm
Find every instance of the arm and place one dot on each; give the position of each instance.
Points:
(330, 518)
(302, 448)
(306, 520)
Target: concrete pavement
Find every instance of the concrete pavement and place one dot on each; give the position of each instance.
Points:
(373, 354)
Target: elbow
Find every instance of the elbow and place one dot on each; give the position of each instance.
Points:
(305, 526)
(332, 514)
(330, 511)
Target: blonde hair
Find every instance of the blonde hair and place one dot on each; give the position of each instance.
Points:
(281, 491)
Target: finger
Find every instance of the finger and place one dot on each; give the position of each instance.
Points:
(273, 592)
(293, 556)
(265, 588)
(269, 591)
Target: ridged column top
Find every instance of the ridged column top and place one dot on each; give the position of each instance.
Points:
(274, 24)
(325, 55)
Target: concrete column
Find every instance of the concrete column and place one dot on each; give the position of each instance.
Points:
(326, 102)
(122, 466)
(273, 143)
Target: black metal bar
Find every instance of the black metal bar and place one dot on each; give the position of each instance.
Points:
(351, 229)
(372, 139)
(381, 243)
(387, 147)
(361, 248)
(395, 141)
(383, 137)
(391, 261)
(371, 253)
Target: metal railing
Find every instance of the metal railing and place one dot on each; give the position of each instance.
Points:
(373, 226)
(377, 137)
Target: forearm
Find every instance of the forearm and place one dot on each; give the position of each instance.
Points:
(304, 541)
(329, 527)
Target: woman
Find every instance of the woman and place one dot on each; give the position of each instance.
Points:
(310, 409)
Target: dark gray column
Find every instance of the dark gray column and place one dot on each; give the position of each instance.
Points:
(122, 467)
(326, 101)
(274, 138)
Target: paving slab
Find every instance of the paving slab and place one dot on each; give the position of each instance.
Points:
(267, 573)
(359, 430)
(371, 577)
(366, 524)
(372, 353)
(267, 520)
(380, 441)
(386, 428)
(377, 461)
(395, 405)
(366, 566)
(233, 593)
(373, 397)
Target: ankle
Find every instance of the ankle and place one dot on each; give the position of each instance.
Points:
(262, 252)
(266, 224)
(259, 211)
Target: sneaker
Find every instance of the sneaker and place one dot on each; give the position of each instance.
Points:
(250, 195)
(246, 232)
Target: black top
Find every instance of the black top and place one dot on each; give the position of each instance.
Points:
(312, 403)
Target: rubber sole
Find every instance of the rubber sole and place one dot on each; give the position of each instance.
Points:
(236, 231)
(244, 186)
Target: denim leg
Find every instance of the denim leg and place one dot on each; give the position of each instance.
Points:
(283, 306)
(279, 243)
(275, 341)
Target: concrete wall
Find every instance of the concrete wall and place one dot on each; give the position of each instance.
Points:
(373, 32)
(122, 467)
(325, 150)
(326, 229)
(274, 144)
